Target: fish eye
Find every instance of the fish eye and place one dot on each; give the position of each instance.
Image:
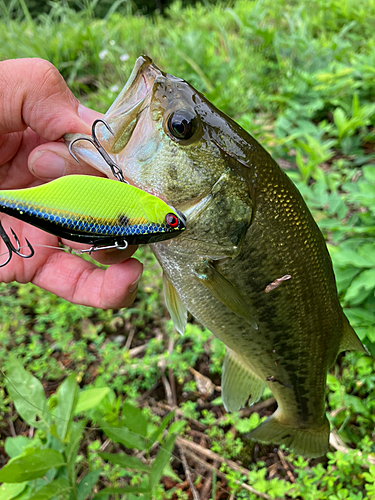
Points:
(172, 220)
(182, 124)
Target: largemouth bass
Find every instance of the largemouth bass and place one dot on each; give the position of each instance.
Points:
(252, 265)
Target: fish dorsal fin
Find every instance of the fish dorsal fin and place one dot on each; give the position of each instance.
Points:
(350, 340)
(174, 304)
(224, 291)
(239, 384)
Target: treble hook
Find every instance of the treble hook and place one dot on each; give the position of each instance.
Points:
(116, 170)
(116, 245)
(11, 248)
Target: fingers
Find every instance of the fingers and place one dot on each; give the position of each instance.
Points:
(68, 275)
(81, 282)
(110, 257)
(37, 97)
(53, 160)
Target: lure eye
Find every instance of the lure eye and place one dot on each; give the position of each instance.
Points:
(182, 124)
(172, 220)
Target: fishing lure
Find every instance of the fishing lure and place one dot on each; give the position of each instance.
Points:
(101, 212)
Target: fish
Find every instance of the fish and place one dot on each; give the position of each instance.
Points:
(252, 265)
(94, 210)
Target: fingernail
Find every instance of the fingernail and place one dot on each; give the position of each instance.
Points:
(47, 165)
(133, 286)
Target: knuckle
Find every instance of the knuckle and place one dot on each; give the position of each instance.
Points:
(47, 76)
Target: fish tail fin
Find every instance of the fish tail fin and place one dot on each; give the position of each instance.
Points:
(309, 442)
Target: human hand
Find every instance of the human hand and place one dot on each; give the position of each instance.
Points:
(36, 110)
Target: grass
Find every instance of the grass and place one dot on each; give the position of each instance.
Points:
(300, 77)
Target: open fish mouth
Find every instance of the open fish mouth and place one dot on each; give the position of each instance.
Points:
(129, 104)
(122, 116)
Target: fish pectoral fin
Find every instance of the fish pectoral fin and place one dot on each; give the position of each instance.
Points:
(350, 340)
(239, 384)
(224, 291)
(174, 304)
(311, 442)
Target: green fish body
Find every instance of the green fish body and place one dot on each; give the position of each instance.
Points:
(252, 265)
(93, 210)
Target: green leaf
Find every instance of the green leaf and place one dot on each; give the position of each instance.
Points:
(28, 395)
(124, 436)
(333, 383)
(341, 121)
(360, 315)
(89, 399)
(368, 477)
(159, 431)
(348, 257)
(56, 488)
(134, 420)
(125, 461)
(31, 466)
(244, 425)
(169, 472)
(356, 405)
(177, 427)
(74, 438)
(15, 446)
(369, 173)
(370, 333)
(10, 491)
(87, 484)
(123, 489)
(345, 276)
(67, 397)
(355, 104)
(365, 280)
(161, 460)
(367, 251)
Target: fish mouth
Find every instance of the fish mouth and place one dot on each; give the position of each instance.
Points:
(129, 104)
(115, 130)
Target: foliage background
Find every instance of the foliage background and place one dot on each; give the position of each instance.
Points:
(300, 76)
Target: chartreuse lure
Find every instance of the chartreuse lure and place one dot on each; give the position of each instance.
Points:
(98, 211)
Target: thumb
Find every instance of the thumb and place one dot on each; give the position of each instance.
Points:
(34, 94)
